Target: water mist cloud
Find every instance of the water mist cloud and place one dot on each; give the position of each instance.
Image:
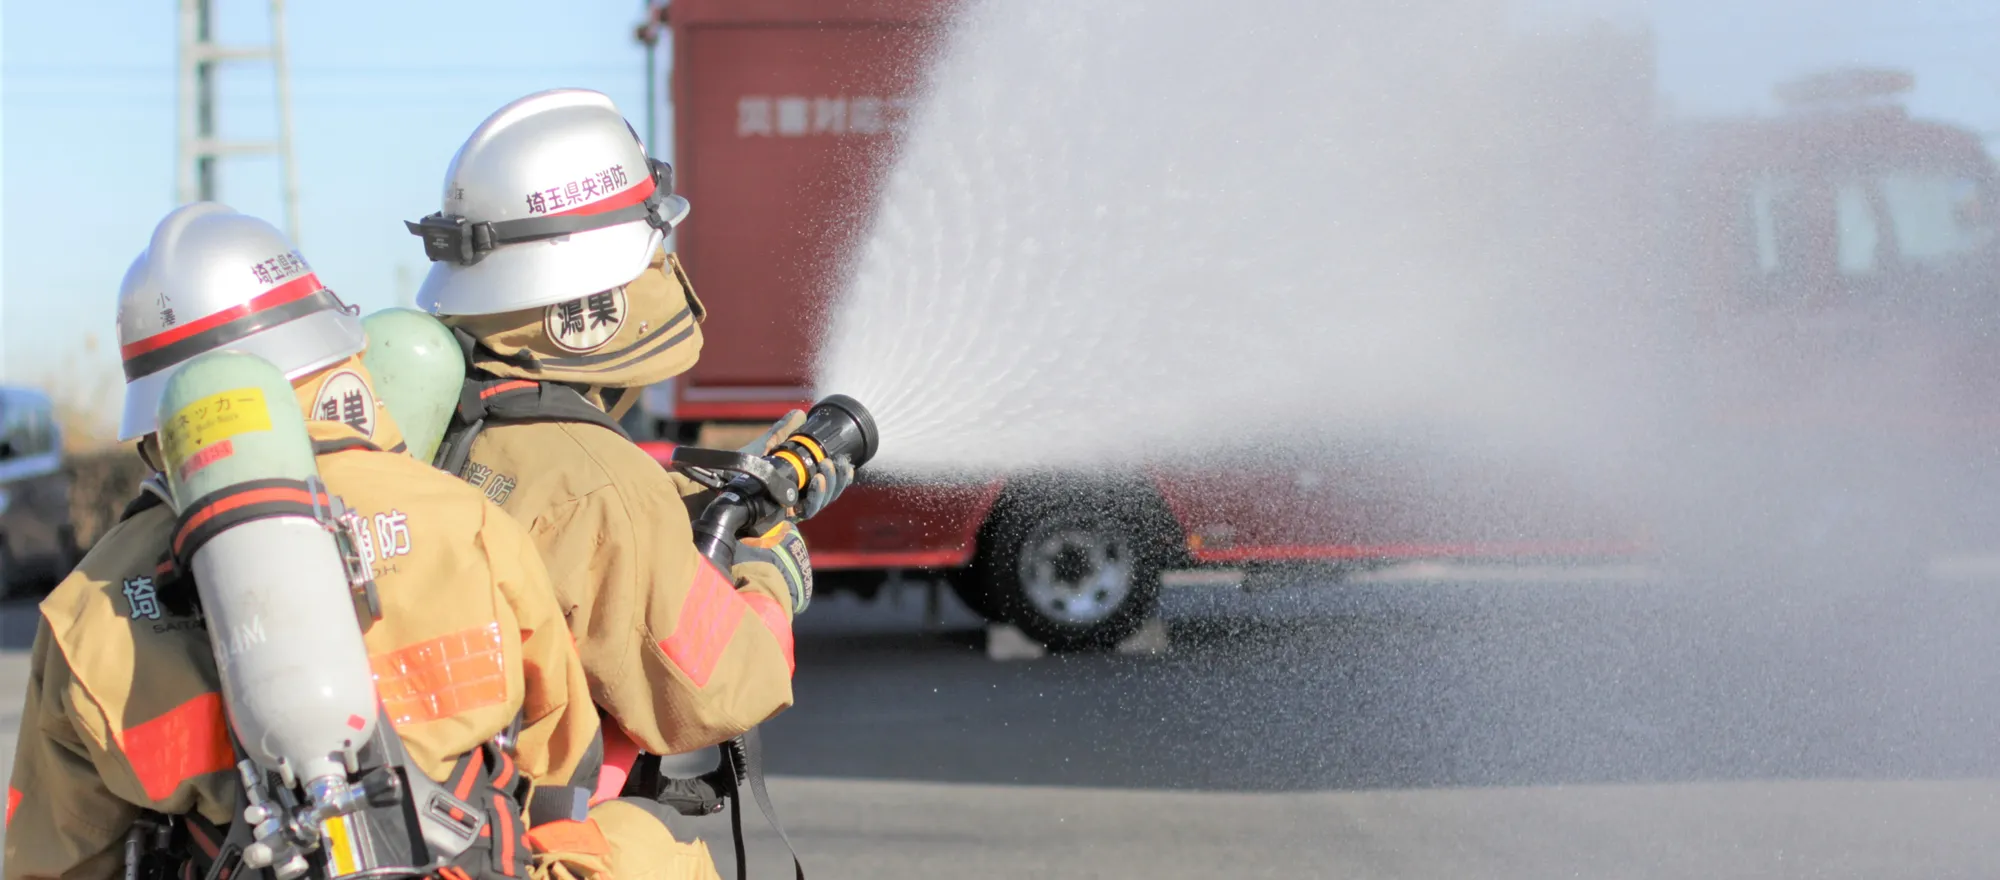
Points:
(1130, 229)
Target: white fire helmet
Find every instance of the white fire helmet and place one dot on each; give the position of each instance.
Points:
(210, 279)
(552, 198)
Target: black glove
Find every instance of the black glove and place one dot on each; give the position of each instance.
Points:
(775, 435)
(784, 548)
(829, 478)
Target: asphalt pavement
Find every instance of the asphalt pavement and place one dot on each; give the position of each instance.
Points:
(1463, 727)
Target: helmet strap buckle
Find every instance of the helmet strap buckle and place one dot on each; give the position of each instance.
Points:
(452, 239)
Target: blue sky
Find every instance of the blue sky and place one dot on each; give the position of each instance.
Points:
(383, 92)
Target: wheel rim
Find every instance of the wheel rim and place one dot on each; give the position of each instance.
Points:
(1076, 576)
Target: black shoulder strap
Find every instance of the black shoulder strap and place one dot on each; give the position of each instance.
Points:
(344, 444)
(152, 493)
(486, 399)
(518, 400)
(144, 502)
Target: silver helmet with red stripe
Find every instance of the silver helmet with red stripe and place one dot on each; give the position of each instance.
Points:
(552, 198)
(210, 279)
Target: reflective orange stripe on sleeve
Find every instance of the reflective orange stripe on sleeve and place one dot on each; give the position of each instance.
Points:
(190, 740)
(565, 836)
(708, 621)
(774, 618)
(439, 678)
(13, 800)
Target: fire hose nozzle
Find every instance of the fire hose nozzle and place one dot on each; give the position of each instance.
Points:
(754, 501)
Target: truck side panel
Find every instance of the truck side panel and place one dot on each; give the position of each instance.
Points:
(1393, 508)
(785, 114)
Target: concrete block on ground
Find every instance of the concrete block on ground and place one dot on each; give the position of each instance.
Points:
(1150, 638)
(1005, 641)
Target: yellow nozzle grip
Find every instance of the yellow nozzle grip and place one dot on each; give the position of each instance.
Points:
(811, 446)
(797, 465)
(769, 539)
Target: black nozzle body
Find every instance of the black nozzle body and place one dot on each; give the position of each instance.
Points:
(842, 427)
(725, 519)
(836, 427)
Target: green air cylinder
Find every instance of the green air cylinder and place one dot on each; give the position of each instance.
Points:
(418, 370)
(274, 589)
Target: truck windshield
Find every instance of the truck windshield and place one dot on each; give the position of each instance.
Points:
(1871, 225)
(1934, 217)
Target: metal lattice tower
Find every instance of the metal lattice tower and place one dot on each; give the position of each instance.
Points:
(198, 146)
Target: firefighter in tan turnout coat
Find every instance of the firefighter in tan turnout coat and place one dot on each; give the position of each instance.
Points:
(548, 262)
(124, 720)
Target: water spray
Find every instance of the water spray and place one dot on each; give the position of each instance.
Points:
(754, 501)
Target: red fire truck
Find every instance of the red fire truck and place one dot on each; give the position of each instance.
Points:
(1841, 210)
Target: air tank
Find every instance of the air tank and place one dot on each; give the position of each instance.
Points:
(273, 585)
(418, 370)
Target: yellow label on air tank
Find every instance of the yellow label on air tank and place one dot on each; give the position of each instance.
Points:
(211, 420)
(343, 847)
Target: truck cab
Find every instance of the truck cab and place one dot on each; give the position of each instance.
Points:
(1835, 266)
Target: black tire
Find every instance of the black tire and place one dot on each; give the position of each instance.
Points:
(972, 591)
(1077, 569)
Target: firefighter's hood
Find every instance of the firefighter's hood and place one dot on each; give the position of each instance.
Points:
(647, 331)
(345, 392)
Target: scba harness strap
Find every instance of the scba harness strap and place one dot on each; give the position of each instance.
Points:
(470, 826)
(478, 804)
(486, 399)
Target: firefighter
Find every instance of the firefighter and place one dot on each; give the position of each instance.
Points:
(123, 725)
(549, 264)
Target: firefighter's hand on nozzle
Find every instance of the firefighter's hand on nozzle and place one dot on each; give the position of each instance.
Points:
(785, 548)
(779, 430)
(829, 478)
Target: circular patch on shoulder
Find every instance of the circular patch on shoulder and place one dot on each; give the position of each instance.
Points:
(586, 323)
(344, 397)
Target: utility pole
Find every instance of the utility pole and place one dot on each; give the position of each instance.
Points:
(648, 34)
(198, 147)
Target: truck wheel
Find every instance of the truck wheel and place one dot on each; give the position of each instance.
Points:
(1074, 573)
